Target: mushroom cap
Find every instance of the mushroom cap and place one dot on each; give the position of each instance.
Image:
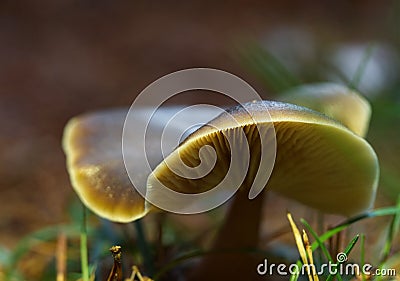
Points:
(319, 162)
(92, 144)
(95, 162)
(334, 100)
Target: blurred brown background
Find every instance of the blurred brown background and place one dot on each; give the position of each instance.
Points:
(62, 58)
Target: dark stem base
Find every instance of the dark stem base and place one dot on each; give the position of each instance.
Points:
(234, 255)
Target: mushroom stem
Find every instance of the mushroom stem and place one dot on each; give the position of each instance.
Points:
(232, 256)
(241, 226)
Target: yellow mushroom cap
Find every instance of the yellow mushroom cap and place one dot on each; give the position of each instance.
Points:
(93, 144)
(319, 162)
(334, 100)
(95, 162)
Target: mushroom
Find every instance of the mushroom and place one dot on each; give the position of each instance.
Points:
(319, 162)
(334, 100)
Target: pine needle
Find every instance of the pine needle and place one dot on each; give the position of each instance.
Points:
(61, 257)
(300, 245)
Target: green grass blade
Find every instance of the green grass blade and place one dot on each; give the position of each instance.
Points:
(328, 235)
(351, 245)
(362, 258)
(321, 245)
(144, 248)
(267, 67)
(392, 232)
(295, 276)
(386, 211)
(84, 247)
(347, 251)
(355, 82)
